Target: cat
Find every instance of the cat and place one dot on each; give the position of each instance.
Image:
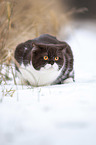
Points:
(44, 61)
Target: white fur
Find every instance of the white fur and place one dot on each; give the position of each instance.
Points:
(45, 76)
(71, 73)
(69, 80)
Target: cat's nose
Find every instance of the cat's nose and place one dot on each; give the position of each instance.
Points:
(51, 62)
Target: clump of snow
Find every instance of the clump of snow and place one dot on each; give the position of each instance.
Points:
(55, 115)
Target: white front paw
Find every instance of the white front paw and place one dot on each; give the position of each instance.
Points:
(69, 80)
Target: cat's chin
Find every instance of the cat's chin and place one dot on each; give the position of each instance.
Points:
(50, 67)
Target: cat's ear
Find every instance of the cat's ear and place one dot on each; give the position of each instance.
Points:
(37, 46)
(34, 46)
(63, 47)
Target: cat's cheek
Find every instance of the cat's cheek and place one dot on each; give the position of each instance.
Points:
(55, 66)
(47, 66)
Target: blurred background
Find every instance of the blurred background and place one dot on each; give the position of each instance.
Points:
(90, 5)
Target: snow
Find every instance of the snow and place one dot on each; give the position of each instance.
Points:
(55, 115)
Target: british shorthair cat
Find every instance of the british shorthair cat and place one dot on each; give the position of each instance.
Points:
(44, 61)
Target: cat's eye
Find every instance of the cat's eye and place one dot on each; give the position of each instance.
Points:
(56, 58)
(45, 57)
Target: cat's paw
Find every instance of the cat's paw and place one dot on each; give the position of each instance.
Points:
(69, 80)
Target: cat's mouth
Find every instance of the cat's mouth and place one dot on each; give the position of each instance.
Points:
(51, 67)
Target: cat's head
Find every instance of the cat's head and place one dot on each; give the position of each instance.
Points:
(47, 56)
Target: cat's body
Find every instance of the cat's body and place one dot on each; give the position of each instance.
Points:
(44, 61)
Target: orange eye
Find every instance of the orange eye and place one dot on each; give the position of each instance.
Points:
(56, 58)
(45, 57)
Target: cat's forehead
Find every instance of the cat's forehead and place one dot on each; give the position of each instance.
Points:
(51, 50)
(54, 51)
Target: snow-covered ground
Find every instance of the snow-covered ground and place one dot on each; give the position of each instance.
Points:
(56, 115)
